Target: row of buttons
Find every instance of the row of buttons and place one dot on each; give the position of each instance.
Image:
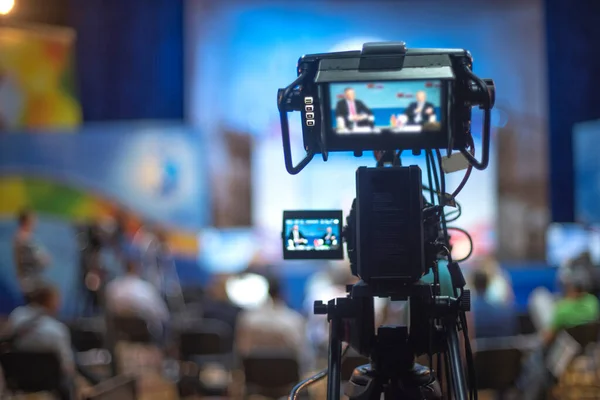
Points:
(309, 108)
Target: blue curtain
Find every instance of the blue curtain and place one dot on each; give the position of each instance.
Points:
(129, 58)
(573, 31)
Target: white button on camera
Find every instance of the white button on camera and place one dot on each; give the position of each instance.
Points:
(310, 115)
(310, 122)
(308, 100)
(309, 108)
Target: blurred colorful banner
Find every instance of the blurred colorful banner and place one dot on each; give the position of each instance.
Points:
(37, 81)
(136, 174)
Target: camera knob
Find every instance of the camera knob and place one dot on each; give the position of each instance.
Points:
(465, 301)
(320, 308)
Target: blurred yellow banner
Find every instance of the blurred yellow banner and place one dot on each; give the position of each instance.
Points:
(37, 80)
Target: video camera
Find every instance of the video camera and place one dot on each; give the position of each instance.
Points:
(389, 99)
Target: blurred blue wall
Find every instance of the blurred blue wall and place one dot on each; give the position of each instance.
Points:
(130, 58)
(573, 31)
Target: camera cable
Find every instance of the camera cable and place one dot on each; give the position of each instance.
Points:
(313, 379)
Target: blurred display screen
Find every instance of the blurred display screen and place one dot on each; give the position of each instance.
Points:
(377, 107)
(226, 250)
(568, 241)
(312, 232)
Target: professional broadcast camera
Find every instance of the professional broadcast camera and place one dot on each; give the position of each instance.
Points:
(394, 234)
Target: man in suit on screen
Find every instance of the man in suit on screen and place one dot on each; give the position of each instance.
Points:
(296, 238)
(351, 113)
(421, 111)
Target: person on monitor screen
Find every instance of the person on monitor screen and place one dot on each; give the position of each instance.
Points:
(329, 239)
(421, 111)
(351, 113)
(296, 238)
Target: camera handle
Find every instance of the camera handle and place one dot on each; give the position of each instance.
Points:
(488, 92)
(283, 102)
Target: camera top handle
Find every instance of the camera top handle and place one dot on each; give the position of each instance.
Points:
(284, 97)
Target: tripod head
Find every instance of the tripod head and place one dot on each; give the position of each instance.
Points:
(433, 327)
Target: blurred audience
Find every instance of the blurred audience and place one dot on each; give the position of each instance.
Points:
(130, 295)
(217, 305)
(30, 258)
(36, 329)
(274, 326)
(158, 266)
(499, 290)
(491, 319)
(576, 307)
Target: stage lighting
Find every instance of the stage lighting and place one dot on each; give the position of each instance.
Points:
(6, 6)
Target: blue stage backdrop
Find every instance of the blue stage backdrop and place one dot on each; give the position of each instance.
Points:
(586, 142)
(146, 173)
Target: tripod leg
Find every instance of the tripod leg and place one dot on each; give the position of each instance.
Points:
(456, 367)
(335, 353)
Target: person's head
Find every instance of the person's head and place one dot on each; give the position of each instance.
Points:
(47, 297)
(26, 220)
(349, 93)
(217, 290)
(131, 267)
(576, 281)
(329, 229)
(421, 96)
(295, 227)
(275, 292)
(480, 282)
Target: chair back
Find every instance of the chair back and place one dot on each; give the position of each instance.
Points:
(87, 335)
(271, 373)
(131, 329)
(525, 324)
(205, 338)
(117, 388)
(31, 372)
(497, 369)
(585, 334)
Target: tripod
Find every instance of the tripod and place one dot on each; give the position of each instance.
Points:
(392, 371)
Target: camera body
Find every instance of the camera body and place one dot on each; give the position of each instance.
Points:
(392, 239)
(389, 226)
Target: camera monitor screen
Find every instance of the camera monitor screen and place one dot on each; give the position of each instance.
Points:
(397, 107)
(312, 235)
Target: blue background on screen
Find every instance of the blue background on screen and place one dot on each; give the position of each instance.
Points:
(311, 231)
(381, 97)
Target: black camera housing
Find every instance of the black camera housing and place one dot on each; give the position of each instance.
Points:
(389, 229)
(385, 62)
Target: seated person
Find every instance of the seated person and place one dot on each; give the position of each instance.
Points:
(130, 295)
(296, 238)
(490, 319)
(577, 307)
(419, 112)
(38, 330)
(351, 113)
(329, 239)
(274, 326)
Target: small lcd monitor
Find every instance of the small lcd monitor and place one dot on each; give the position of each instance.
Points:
(386, 107)
(312, 235)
